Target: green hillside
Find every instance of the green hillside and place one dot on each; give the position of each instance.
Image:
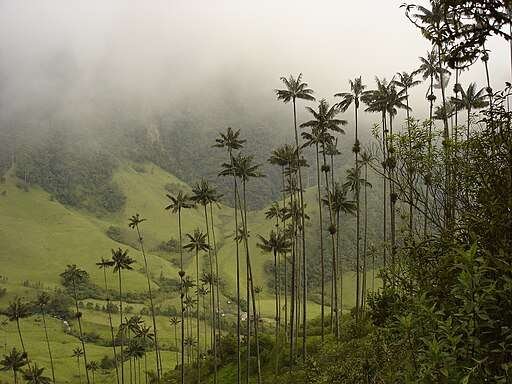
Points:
(54, 235)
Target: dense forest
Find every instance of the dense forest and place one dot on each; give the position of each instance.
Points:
(327, 253)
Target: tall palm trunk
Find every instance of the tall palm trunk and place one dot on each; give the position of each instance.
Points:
(182, 368)
(213, 278)
(365, 233)
(431, 111)
(197, 320)
(409, 172)
(332, 227)
(109, 311)
(293, 284)
(238, 328)
(276, 295)
(218, 320)
(121, 323)
(79, 318)
(153, 317)
(448, 200)
(339, 272)
(251, 282)
(320, 227)
(358, 271)
(303, 225)
(392, 197)
(48, 346)
(285, 288)
(384, 187)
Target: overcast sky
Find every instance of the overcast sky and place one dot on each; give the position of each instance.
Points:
(164, 55)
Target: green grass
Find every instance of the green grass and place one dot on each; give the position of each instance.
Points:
(39, 237)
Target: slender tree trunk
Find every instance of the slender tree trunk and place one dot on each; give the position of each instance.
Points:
(15, 376)
(365, 232)
(322, 264)
(427, 187)
(153, 317)
(197, 320)
(384, 184)
(409, 172)
(121, 324)
(332, 226)
(109, 311)
(446, 136)
(276, 295)
(358, 271)
(392, 199)
(293, 286)
(182, 368)
(48, 345)
(339, 272)
(238, 328)
(303, 225)
(213, 297)
(218, 320)
(79, 318)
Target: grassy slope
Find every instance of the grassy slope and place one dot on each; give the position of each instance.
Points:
(53, 236)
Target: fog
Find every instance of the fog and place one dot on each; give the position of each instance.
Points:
(215, 61)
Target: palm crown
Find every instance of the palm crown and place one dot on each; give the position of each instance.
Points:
(470, 98)
(276, 242)
(230, 140)
(324, 119)
(295, 89)
(356, 90)
(197, 241)
(121, 260)
(179, 202)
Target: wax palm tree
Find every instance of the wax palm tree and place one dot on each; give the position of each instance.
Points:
(35, 375)
(204, 194)
(146, 337)
(243, 167)
(16, 310)
(203, 291)
(14, 362)
(277, 243)
(104, 264)
(366, 158)
(232, 142)
(353, 97)
(197, 242)
(173, 322)
(42, 301)
(324, 121)
(470, 99)
(121, 262)
(354, 181)
(93, 367)
(340, 204)
(405, 81)
(431, 70)
(315, 138)
(77, 354)
(76, 277)
(178, 203)
(376, 101)
(296, 89)
(135, 351)
(134, 223)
